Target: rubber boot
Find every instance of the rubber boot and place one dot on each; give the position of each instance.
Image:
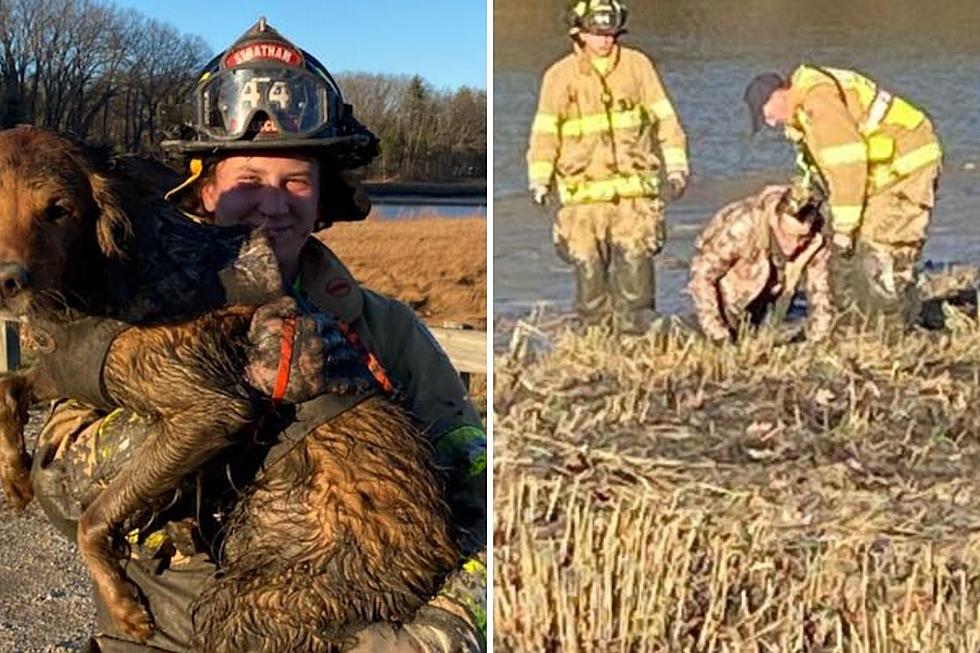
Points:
(591, 293)
(634, 292)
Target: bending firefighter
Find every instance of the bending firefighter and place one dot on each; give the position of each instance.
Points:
(751, 259)
(269, 147)
(602, 113)
(877, 159)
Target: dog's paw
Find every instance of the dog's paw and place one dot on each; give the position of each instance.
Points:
(132, 618)
(17, 487)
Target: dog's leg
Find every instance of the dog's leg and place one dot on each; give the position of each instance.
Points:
(169, 453)
(15, 463)
(187, 377)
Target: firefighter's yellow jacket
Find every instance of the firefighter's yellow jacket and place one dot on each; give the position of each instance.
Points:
(860, 138)
(596, 134)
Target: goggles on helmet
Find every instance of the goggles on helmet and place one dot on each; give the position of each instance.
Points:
(602, 21)
(295, 101)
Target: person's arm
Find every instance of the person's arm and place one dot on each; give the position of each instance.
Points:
(431, 388)
(841, 154)
(670, 133)
(545, 142)
(713, 258)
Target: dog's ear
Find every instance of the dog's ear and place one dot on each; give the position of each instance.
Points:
(112, 227)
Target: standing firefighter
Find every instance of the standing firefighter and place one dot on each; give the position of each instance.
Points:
(602, 111)
(750, 259)
(877, 159)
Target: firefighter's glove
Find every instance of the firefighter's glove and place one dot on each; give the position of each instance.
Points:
(539, 194)
(842, 244)
(678, 184)
(294, 356)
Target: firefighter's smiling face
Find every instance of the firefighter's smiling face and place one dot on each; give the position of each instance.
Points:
(597, 45)
(280, 194)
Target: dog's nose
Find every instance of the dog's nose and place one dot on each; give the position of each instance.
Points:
(14, 278)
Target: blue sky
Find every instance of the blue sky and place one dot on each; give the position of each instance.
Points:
(445, 41)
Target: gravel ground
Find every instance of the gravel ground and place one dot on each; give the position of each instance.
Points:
(44, 589)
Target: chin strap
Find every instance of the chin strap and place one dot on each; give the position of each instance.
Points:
(196, 167)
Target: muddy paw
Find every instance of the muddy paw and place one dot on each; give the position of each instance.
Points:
(133, 619)
(17, 486)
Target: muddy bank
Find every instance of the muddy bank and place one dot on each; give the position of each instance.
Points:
(662, 494)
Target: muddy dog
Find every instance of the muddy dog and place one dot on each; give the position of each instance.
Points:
(347, 528)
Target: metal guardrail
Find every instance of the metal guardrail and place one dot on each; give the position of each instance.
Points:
(467, 349)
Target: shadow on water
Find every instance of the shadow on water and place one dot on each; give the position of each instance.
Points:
(706, 51)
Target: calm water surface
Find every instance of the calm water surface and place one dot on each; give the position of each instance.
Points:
(706, 51)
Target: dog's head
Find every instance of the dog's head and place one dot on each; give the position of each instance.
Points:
(56, 200)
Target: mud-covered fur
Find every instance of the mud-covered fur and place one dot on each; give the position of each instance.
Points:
(348, 528)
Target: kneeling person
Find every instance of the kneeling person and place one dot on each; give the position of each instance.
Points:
(750, 259)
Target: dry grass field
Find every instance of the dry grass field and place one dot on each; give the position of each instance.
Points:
(436, 265)
(659, 494)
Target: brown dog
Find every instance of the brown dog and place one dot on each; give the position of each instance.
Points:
(347, 528)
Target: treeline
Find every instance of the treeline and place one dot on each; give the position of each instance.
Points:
(92, 69)
(425, 133)
(108, 75)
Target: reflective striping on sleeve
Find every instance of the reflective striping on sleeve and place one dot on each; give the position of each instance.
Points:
(545, 123)
(467, 443)
(905, 165)
(675, 158)
(663, 109)
(540, 171)
(846, 217)
(838, 155)
(917, 158)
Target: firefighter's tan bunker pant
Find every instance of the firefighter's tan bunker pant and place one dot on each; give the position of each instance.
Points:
(890, 239)
(584, 232)
(611, 245)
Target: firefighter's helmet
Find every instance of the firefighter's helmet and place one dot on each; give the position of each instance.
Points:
(265, 93)
(597, 17)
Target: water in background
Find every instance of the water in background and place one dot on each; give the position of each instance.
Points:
(706, 51)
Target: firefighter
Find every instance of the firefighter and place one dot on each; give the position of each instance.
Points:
(876, 158)
(750, 259)
(269, 146)
(604, 133)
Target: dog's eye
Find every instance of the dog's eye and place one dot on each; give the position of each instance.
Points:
(57, 211)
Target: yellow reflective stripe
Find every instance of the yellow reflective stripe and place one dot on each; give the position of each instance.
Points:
(917, 158)
(475, 566)
(545, 123)
(540, 170)
(607, 190)
(663, 109)
(675, 158)
(882, 175)
(846, 217)
(600, 122)
(904, 114)
(843, 154)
